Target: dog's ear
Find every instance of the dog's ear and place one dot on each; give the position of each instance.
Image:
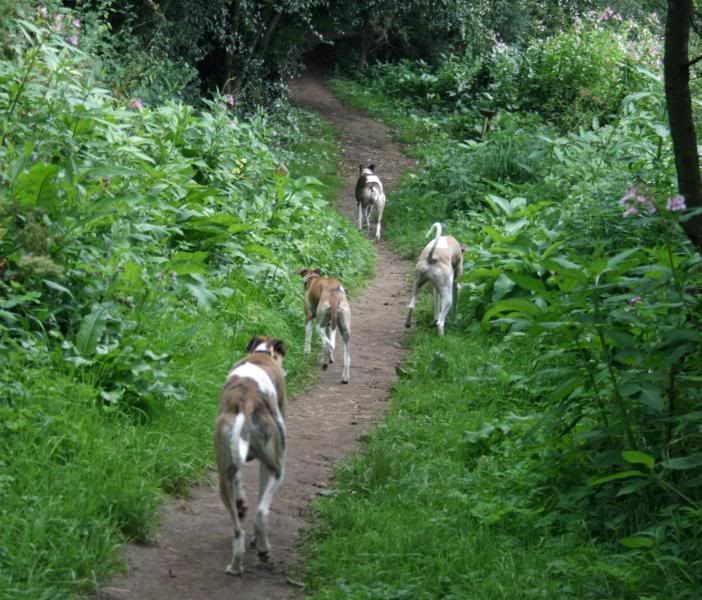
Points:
(360, 169)
(371, 167)
(463, 248)
(302, 272)
(279, 347)
(318, 271)
(254, 342)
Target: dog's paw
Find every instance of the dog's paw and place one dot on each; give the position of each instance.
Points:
(241, 508)
(264, 555)
(325, 366)
(344, 381)
(236, 570)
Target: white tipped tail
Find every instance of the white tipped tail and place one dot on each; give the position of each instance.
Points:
(326, 339)
(436, 226)
(239, 445)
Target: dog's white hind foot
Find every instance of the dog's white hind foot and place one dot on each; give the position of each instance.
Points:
(236, 567)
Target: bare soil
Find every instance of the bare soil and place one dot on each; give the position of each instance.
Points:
(193, 545)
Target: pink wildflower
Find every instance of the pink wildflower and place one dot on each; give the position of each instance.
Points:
(58, 22)
(231, 100)
(630, 195)
(76, 23)
(43, 12)
(74, 40)
(676, 203)
(635, 300)
(634, 201)
(136, 104)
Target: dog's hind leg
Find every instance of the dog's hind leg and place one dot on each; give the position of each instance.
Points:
(360, 215)
(380, 207)
(326, 344)
(446, 302)
(345, 329)
(437, 303)
(418, 283)
(227, 445)
(268, 485)
(332, 337)
(308, 336)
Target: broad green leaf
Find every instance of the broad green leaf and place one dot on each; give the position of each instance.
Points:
(496, 201)
(91, 329)
(616, 476)
(518, 305)
(513, 227)
(36, 187)
(684, 463)
(307, 181)
(503, 285)
(639, 458)
(636, 541)
(203, 296)
(185, 263)
(259, 250)
(529, 283)
(58, 287)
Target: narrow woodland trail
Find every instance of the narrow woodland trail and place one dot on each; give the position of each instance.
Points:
(193, 544)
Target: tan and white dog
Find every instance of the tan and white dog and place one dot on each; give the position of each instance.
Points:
(325, 299)
(440, 263)
(369, 193)
(250, 425)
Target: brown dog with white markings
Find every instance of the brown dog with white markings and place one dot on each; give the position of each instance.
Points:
(369, 193)
(325, 299)
(441, 263)
(250, 425)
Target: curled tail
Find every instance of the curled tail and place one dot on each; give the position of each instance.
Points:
(238, 445)
(436, 226)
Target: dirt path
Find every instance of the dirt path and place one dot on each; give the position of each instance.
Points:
(193, 545)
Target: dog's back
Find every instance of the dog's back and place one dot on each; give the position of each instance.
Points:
(369, 188)
(442, 250)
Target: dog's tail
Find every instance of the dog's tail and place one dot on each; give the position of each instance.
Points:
(238, 444)
(436, 226)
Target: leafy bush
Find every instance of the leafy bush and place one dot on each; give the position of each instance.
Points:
(141, 246)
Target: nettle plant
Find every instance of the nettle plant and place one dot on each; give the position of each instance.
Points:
(111, 210)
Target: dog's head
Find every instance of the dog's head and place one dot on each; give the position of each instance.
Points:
(366, 170)
(308, 275)
(267, 345)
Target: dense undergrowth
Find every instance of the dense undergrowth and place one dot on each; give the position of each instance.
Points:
(549, 446)
(139, 249)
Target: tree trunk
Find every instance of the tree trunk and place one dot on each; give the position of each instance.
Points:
(365, 44)
(231, 50)
(676, 68)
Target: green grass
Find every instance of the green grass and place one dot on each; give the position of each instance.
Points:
(77, 479)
